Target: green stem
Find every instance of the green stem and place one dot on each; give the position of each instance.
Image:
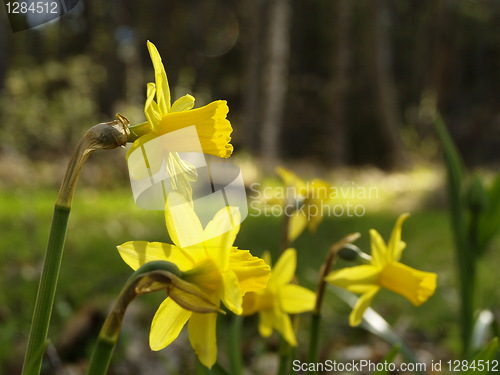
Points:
(235, 345)
(150, 277)
(285, 357)
(101, 356)
(320, 292)
(101, 136)
(314, 338)
(46, 291)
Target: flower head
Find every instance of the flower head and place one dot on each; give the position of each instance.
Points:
(210, 261)
(279, 299)
(310, 195)
(385, 271)
(163, 117)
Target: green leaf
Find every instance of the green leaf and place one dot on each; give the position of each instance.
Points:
(484, 357)
(489, 220)
(455, 169)
(389, 358)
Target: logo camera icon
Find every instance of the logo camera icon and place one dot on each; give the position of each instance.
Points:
(170, 162)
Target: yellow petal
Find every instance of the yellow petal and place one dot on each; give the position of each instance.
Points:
(395, 247)
(184, 103)
(211, 125)
(361, 305)
(283, 324)
(290, 179)
(416, 286)
(163, 91)
(151, 110)
(357, 279)
(296, 225)
(167, 324)
(252, 272)
(265, 323)
(137, 253)
(183, 225)
(315, 217)
(379, 249)
(231, 295)
(295, 299)
(284, 269)
(220, 233)
(201, 329)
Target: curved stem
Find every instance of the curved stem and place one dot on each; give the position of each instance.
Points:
(101, 136)
(150, 277)
(316, 315)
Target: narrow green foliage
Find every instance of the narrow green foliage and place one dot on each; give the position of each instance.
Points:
(389, 358)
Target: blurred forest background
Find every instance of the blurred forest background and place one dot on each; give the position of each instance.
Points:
(338, 83)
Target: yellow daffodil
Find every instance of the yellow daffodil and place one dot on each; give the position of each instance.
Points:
(385, 271)
(279, 299)
(223, 272)
(307, 199)
(163, 117)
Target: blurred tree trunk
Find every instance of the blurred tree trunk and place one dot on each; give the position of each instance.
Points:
(275, 77)
(4, 29)
(338, 86)
(253, 37)
(386, 100)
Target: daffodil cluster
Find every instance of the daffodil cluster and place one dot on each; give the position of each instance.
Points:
(223, 272)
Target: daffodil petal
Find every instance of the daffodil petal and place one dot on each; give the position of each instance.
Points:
(362, 304)
(201, 329)
(220, 233)
(231, 295)
(395, 247)
(184, 103)
(315, 217)
(183, 225)
(295, 299)
(379, 249)
(283, 325)
(290, 179)
(252, 272)
(137, 253)
(359, 279)
(296, 225)
(284, 269)
(151, 110)
(167, 324)
(266, 318)
(163, 91)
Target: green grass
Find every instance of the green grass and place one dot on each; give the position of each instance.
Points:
(93, 273)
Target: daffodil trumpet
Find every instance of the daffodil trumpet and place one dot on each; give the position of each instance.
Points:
(108, 135)
(150, 277)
